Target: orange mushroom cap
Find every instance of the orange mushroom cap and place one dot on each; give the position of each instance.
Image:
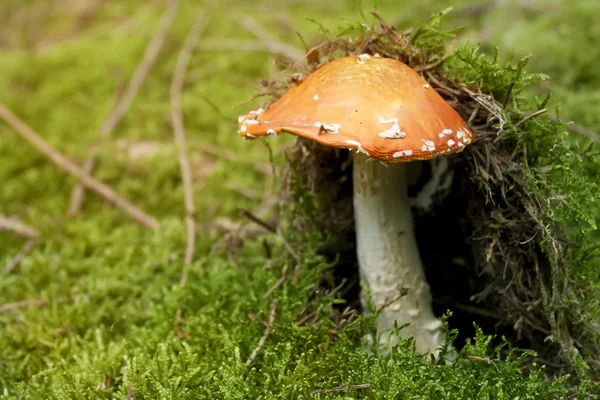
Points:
(376, 105)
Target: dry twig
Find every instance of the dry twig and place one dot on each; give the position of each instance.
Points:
(107, 128)
(70, 167)
(130, 392)
(483, 359)
(434, 64)
(265, 335)
(279, 282)
(507, 95)
(344, 388)
(273, 44)
(257, 220)
(20, 255)
(258, 320)
(17, 227)
(403, 292)
(270, 228)
(535, 114)
(179, 132)
(39, 302)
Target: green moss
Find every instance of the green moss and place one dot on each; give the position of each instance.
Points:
(104, 293)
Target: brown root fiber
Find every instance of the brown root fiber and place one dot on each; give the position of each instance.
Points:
(491, 252)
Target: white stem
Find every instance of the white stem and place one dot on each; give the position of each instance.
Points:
(387, 252)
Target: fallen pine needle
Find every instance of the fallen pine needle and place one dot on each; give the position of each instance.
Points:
(535, 114)
(17, 227)
(107, 128)
(20, 255)
(181, 66)
(279, 282)
(72, 168)
(265, 336)
(270, 41)
(341, 389)
(39, 302)
(270, 228)
(130, 392)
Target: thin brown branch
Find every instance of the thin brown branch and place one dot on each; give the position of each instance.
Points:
(258, 320)
(389, 302)
(17, 227)
(138, 78)
(20, 255)
(270, 41)
(535, 114)
(130, 392)
(431, 77)
(265, 336)
(234, 45)
(39, 302)
(437, 62)
(21, 304)
(279, 282)
(181, 67)
(507, 95)
(258, 221)
(473, 113)
(272, 229)
(344, 388)
(70, 167)
(486, 360)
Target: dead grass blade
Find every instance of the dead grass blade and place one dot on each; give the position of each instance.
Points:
(107, 128)
(70, 167)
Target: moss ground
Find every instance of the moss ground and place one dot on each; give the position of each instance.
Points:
(102, 293)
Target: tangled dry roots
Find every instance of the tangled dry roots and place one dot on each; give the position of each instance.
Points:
(497, 260)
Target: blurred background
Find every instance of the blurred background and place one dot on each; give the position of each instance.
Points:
(64, 64)
(74, 296)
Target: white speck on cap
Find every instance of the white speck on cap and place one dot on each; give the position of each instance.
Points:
(429, 145)
(460, 133)
(392, 133)
(466, 139)
(445, 132)
(249, 135)
(363, 57)
(271, 132)
(256, 113)
(460, 144)
(401, 153)
(427, 86)
(330, 128)
(243, 128)
(359, 148)
(251, 122)
(316, 97)
(451, 142)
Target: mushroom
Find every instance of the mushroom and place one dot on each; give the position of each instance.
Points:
(390, 115)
